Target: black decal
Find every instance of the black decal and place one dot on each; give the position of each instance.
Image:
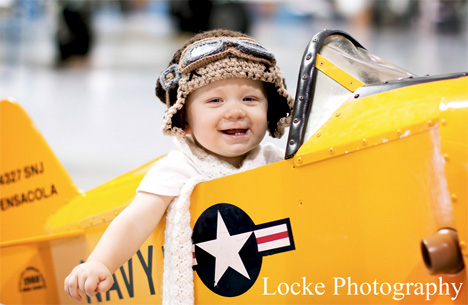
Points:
(279, 249)
(24, 199)
(33, 170)
(27, 172)
(128, 282)
(39, 193)
(115, 287)
(10, 176)
(232, 282)
(31, 279)
(53, 191)
(148, 268)
(29, 196)
(229, 247)
(31, 199)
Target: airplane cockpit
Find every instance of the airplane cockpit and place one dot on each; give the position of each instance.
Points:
(336, 68)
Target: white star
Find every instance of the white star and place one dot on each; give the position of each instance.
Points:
(225, 248)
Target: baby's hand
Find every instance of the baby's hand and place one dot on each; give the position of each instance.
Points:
(90, 278)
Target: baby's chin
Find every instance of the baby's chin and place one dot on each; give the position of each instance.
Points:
(238, 154)
(233, 157)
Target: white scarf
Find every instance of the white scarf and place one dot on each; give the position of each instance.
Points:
(178, 273)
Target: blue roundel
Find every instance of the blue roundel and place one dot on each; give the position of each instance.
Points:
(226, 256)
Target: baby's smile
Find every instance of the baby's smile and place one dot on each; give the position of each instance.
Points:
(235, 132)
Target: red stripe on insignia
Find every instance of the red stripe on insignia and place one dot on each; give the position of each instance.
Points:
(194, 256)
(272, 237)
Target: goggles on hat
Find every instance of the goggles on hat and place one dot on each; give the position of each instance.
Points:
(201, 53)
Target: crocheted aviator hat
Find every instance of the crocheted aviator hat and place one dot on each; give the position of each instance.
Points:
(217, 55)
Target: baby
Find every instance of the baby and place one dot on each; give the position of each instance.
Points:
(223, 91)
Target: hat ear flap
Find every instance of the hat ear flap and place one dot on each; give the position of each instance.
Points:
(179, 118)
(278, 108)
(160, 92)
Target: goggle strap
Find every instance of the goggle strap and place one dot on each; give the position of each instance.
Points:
(217, 56)
(172, 82)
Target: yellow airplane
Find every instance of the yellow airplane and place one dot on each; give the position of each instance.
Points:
(368, 207)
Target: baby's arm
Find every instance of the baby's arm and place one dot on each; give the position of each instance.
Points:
(120, 241)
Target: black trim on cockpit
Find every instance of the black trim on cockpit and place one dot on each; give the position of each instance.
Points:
(305, 90)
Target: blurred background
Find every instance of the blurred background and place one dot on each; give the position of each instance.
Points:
(85, 70)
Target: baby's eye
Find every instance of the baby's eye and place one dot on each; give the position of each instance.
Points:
(215, 100)
(250, 99)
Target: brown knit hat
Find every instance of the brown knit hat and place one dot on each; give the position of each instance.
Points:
(217, 55)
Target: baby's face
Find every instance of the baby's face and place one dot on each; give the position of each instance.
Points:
(228, 117)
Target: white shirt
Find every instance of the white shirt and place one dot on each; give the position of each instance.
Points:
(168, 175)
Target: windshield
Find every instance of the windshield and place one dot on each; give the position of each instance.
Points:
(355, 61)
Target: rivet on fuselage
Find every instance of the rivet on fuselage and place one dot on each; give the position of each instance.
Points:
(299, 160)
(444, 122)
(446, 157)
(364, 141)
(463, 247)
(331, 150)
(454, 198)
(398, 132)
(430, 123)
(337, 114)
(318, 134)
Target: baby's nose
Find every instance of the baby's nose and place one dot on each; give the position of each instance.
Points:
(235, 112)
